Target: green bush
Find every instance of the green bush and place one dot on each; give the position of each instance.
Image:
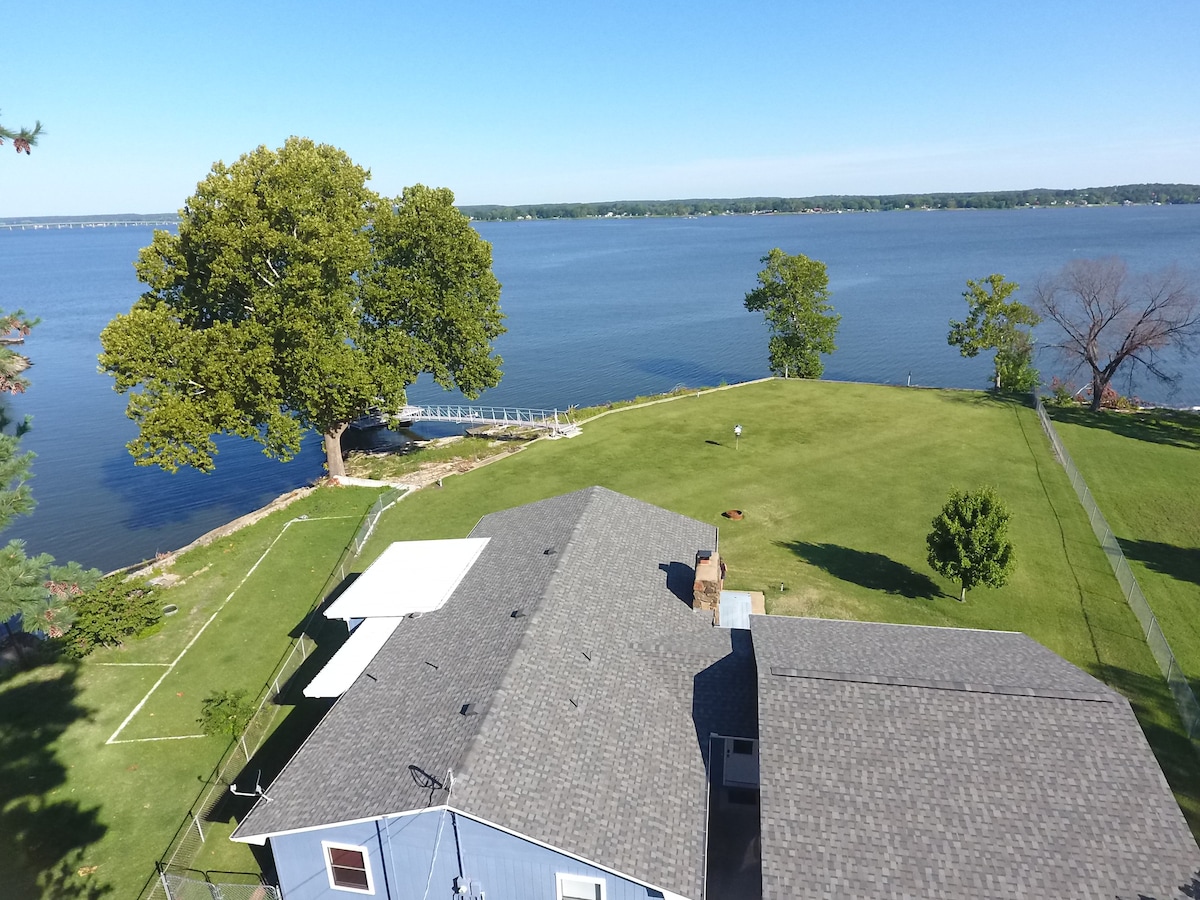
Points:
(226, 713)
(1063, 393)
(116, 608)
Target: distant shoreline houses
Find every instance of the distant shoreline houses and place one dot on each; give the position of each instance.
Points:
(1118, 195)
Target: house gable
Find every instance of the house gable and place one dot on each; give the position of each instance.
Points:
(433, 853)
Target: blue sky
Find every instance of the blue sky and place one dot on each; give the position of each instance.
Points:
(573, 101)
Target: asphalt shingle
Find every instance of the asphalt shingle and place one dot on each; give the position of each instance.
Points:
(896, 762)
(587, 702)
(946, 763)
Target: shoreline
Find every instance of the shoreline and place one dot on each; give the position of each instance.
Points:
(435, 472)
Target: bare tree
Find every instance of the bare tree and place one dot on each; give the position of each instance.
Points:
(1109, 318)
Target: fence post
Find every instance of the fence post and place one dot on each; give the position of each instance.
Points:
(199, 830)
(162, 877)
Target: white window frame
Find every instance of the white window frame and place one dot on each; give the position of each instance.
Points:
(559, 876)
(326, 846)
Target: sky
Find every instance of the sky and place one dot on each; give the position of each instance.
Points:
(574, 101)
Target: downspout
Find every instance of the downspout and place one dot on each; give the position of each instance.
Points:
(454, 824)
(387, 883)
(457, 846)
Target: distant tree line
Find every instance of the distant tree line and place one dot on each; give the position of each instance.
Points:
(1125, 193)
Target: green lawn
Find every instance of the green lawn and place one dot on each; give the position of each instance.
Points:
(839, 483)
(68, 800)
(1144, 471)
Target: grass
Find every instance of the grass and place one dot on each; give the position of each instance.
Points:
(839, 484)
(69, 801)
(467, 450)
(1144, 471)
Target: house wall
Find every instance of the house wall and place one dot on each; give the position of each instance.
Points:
(407, 855)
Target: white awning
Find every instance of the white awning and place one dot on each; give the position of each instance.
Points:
(352, 659)
(408, 577)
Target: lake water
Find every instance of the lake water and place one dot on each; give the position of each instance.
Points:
(597, 310)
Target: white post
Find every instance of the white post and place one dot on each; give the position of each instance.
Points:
(196, 819)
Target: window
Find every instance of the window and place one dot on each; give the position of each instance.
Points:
(580, 887)
(348, 867)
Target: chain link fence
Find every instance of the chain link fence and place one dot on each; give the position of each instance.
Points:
(1185, 699)
(186, 884)
(190, 836)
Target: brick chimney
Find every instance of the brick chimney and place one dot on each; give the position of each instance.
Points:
(710, 579)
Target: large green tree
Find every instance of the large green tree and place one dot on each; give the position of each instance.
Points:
(969, 541)
(994, 322)
(793, 296)
(294, 297)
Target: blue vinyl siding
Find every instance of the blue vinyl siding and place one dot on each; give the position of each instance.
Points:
(408, 854)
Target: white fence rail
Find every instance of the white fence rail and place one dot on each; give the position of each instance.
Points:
(553, 419)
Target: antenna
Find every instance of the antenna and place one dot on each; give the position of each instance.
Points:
(257, 792)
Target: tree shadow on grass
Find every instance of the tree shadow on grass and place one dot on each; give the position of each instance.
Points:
(870, 570)
(992, 397)
(1175, 428)
(1182, 563)
(46, 839)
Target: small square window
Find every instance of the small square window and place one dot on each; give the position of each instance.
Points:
(580, 887)
(348, 867)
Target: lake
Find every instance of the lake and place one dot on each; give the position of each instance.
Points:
(598, 309)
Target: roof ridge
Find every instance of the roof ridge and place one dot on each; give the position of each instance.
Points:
(475, 744)
(899, 625)
(969, 687)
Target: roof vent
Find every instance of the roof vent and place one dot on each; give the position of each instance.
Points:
(470, 709)
(549, 551)
(517, 614)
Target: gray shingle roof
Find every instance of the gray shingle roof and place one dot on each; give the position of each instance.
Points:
(587, 704)
(908, 762)
(896, 761)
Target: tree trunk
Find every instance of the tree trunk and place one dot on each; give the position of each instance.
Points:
(963, 597)
(333, 452)
(1097, 392)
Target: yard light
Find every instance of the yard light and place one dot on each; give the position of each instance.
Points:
(737, 436)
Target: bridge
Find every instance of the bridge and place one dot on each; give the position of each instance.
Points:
(116, 223)
(557, 422)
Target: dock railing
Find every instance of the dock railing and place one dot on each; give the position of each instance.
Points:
(1181, 690)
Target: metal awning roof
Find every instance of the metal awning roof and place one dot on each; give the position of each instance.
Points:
(352, 659)
(408, 577)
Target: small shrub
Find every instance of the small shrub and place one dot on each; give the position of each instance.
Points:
(225, 713)
(108, 613)
(1062, 392)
